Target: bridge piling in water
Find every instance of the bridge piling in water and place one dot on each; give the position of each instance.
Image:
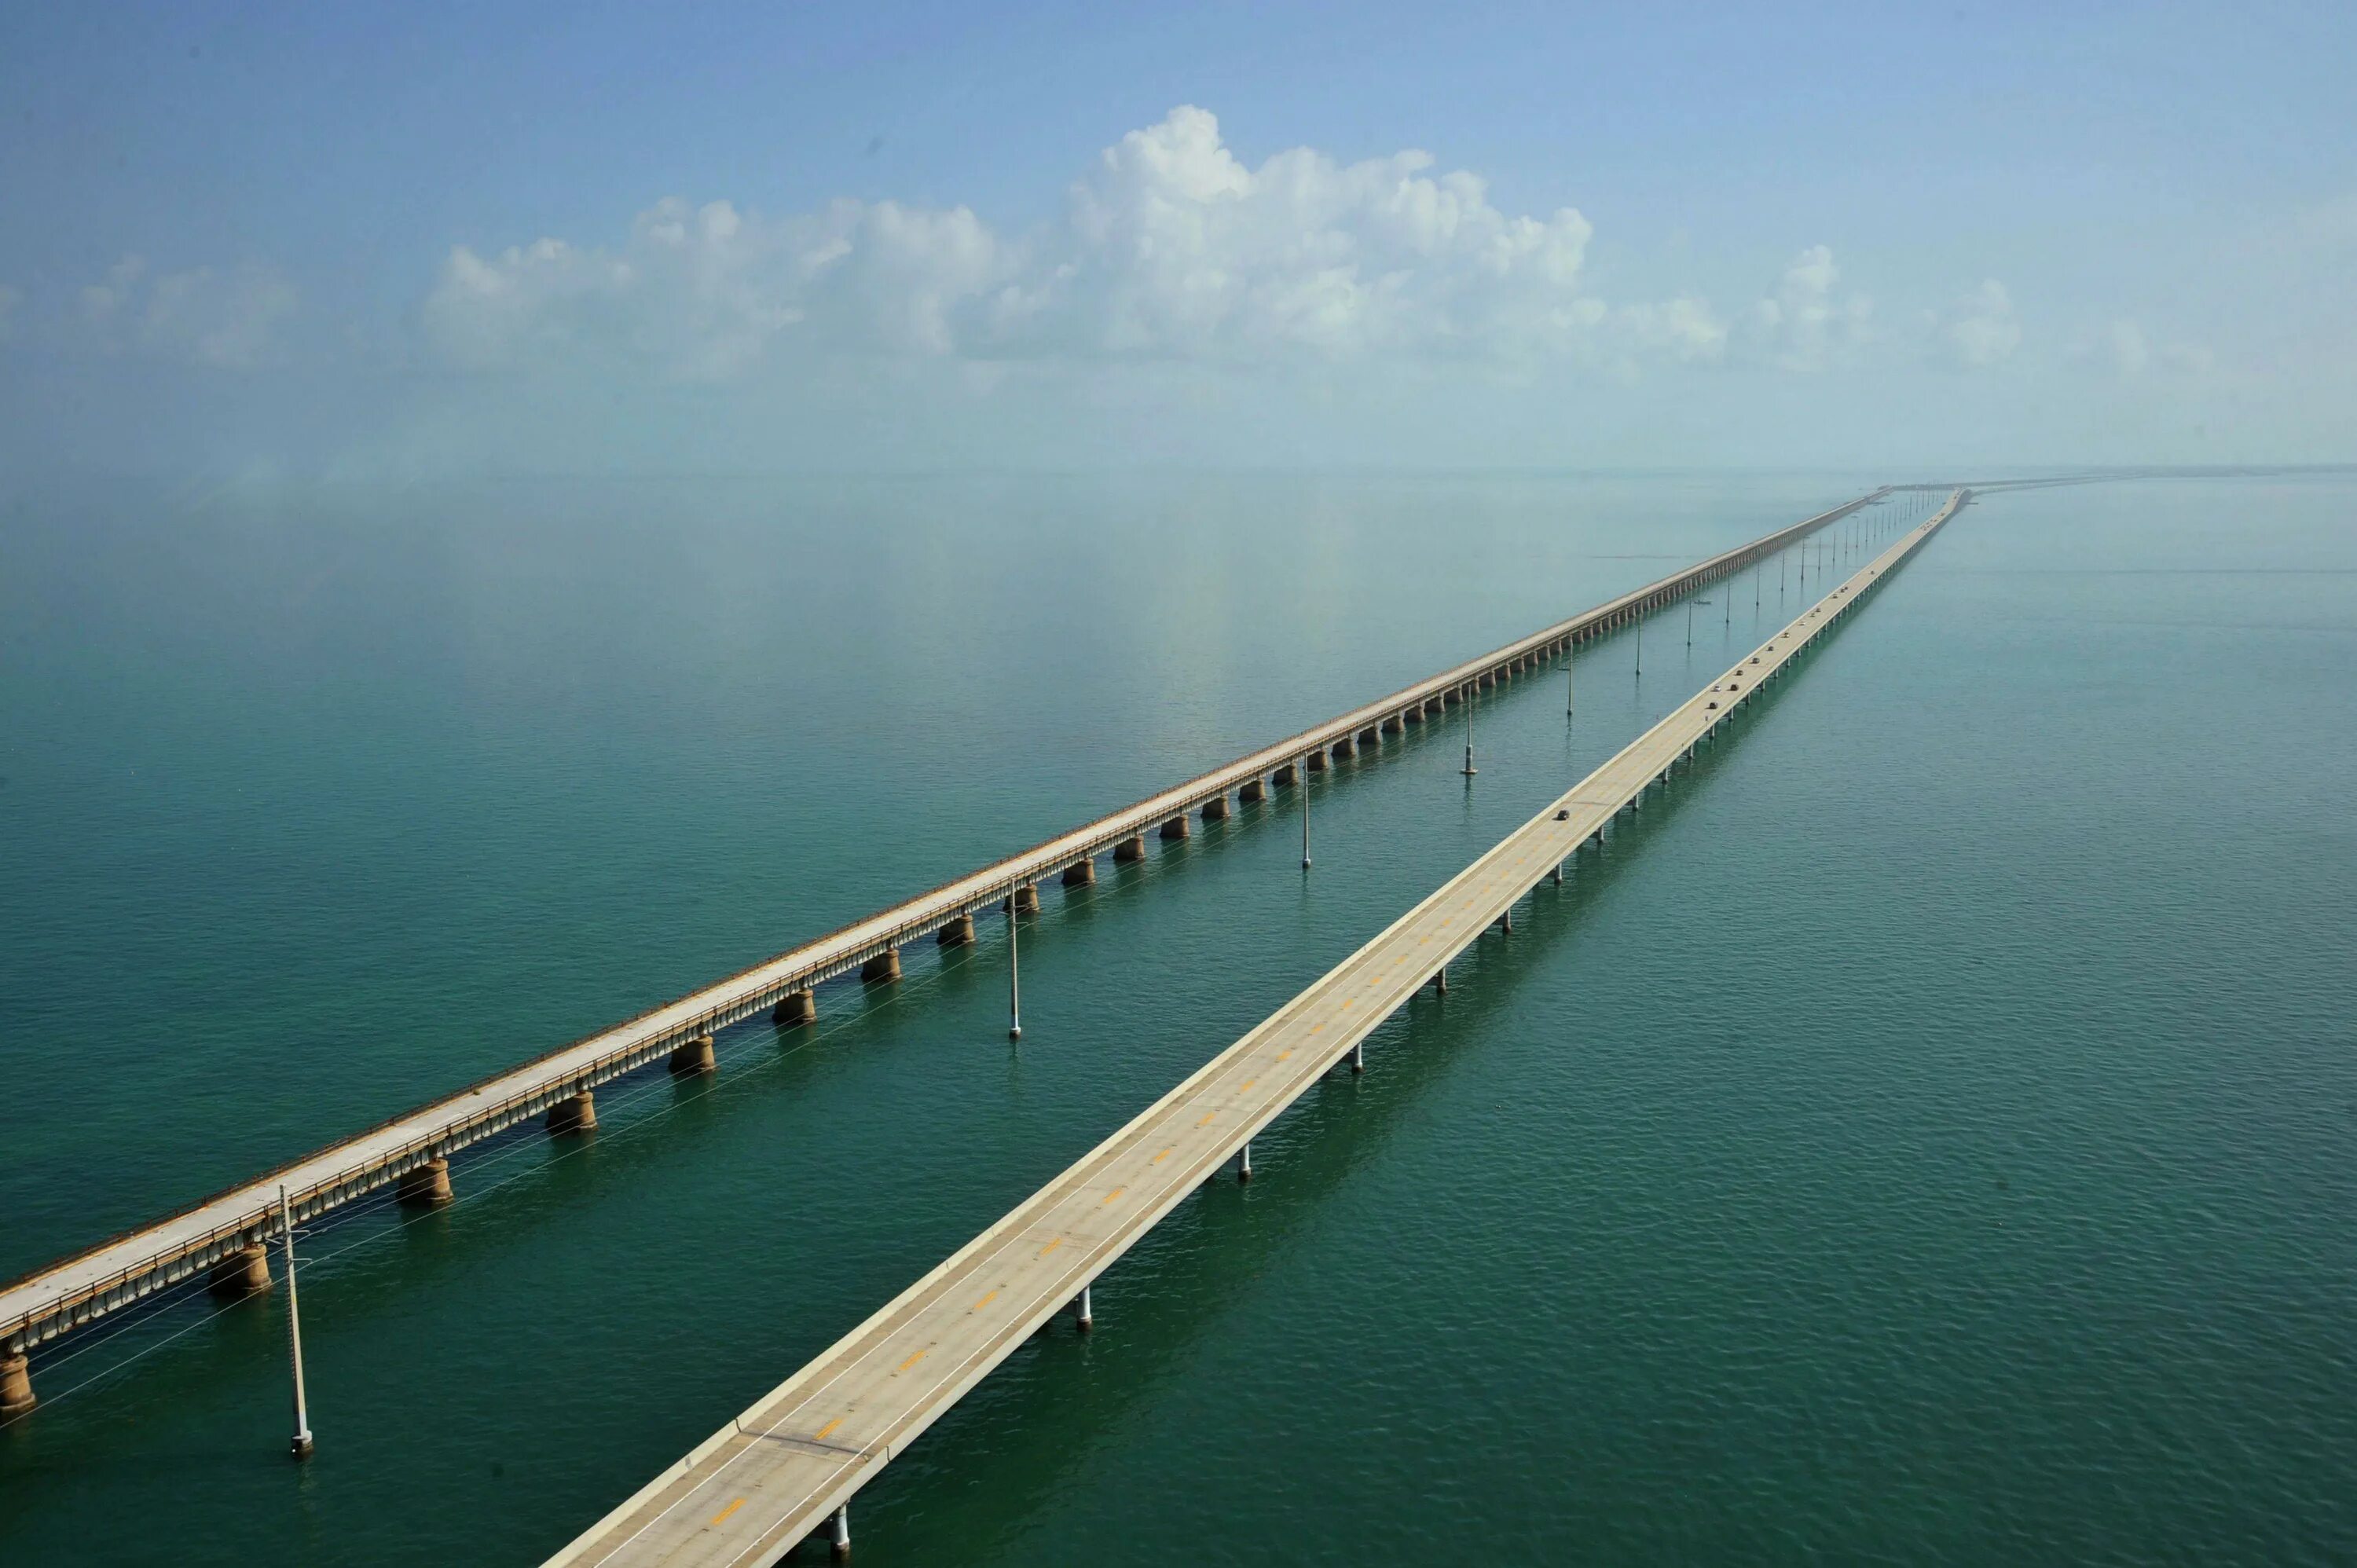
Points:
(577, 1114)
(795, 1007)
(428, 1186)
(958, 933)
(244, 1272)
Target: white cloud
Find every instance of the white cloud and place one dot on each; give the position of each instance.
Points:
(225, 318)
(1171, 247)
(1808, 326)
(1983, 329)
(2130, 352)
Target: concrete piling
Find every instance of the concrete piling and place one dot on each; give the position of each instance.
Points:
(883, 968)
(958, 933)
(1215, 809)
(1176, 828)
(427, 1186)
(15, 1384)
(1244, 1163)
(694, 1054)
(1253, 793)
(1027, 902)
(1129, 849)
(1344, 748)
(1081, 1315)
(1286, 773)
(1081, 874)
(795, 1007)
(243, 1273)
(574, 1114)
(1316, 762)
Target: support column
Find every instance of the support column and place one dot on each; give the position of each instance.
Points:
(958, 933)
(694, 1056)
(1215, 809)
(243, 1273)
(1129, 849)
(1440, 981)
(1315, 762)
(1027, 902)
(1081, 874)
(1358, 1057)
(15, 1384)
(1370, 737)
(1286, 773)
(1414, 715)
(883, 968)
(576, 1115)
(1252, 792)
(1558, 873)
(1506, 920)
(795, 1007)
(1081, 1312)
(1244, 1163)
(1176, 828)
(838, 1534)
(1342, 748)
(428, 1186)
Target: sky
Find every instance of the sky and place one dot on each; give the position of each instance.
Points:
(420, 239)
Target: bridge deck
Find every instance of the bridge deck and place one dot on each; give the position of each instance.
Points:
(102, 1279)
(773, 1476)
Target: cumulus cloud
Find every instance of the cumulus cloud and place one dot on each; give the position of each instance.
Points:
(229, 319)
(2129, 351)
(1809, 326)
(1981, 328)
(1169, 247)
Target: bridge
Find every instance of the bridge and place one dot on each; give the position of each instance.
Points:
(224, 1236)
(786, 1468)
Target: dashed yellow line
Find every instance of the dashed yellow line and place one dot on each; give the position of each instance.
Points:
(828, 1430)
(1248, 1083)
(1110, 1196)
(1207, 1119)
(985, 1301)
(1052, 1246)
(1162, 1157)
(913, 1359)
(721, 1517)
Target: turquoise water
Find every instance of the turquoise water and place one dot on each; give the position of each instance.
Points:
(1926, 1138)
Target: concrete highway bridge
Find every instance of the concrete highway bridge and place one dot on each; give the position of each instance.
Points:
(785, 1469)
(224, 1237)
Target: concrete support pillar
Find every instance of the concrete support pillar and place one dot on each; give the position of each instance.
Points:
(1344, 748)
(795, 1007)
(1081, 874)
(1315, 762)
(15, 1384)
(1244, 1163)
(1253, 793)
(1485, 680)
(693, 1055)
(1414, 715)
(1506, 920)
(1558, 873)
(427, 1187)
(1215, 809)
(576, 1113)
(1394, 725)
(1440, 981)
(1358, 1057)
(958, 933)
(838, 1534)
(1081, 1312)
(1286, 773)
(1129, 849)
(1027, 902)
(1176, 828)
(883, 968)
(243, 1273)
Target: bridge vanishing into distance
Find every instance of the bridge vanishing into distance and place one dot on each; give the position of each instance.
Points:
(785, 1469)
(224, 1237)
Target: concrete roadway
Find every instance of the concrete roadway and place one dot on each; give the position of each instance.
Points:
(780, 1472)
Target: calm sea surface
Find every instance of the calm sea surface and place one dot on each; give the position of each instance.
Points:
(1931, 1136)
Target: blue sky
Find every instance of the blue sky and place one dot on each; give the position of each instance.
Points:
(415, 239)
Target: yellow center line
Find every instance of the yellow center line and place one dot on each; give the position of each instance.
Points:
(828, 1430)
(985, 1301)
(1114, 1194)
(1207, 1119)
(913, 1359)
(1060, 1241)
(722, 1516)
(1284, 1053)
(1248, 1083)
(1162, 1157)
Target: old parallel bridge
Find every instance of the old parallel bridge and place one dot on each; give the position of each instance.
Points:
(224, 1236)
